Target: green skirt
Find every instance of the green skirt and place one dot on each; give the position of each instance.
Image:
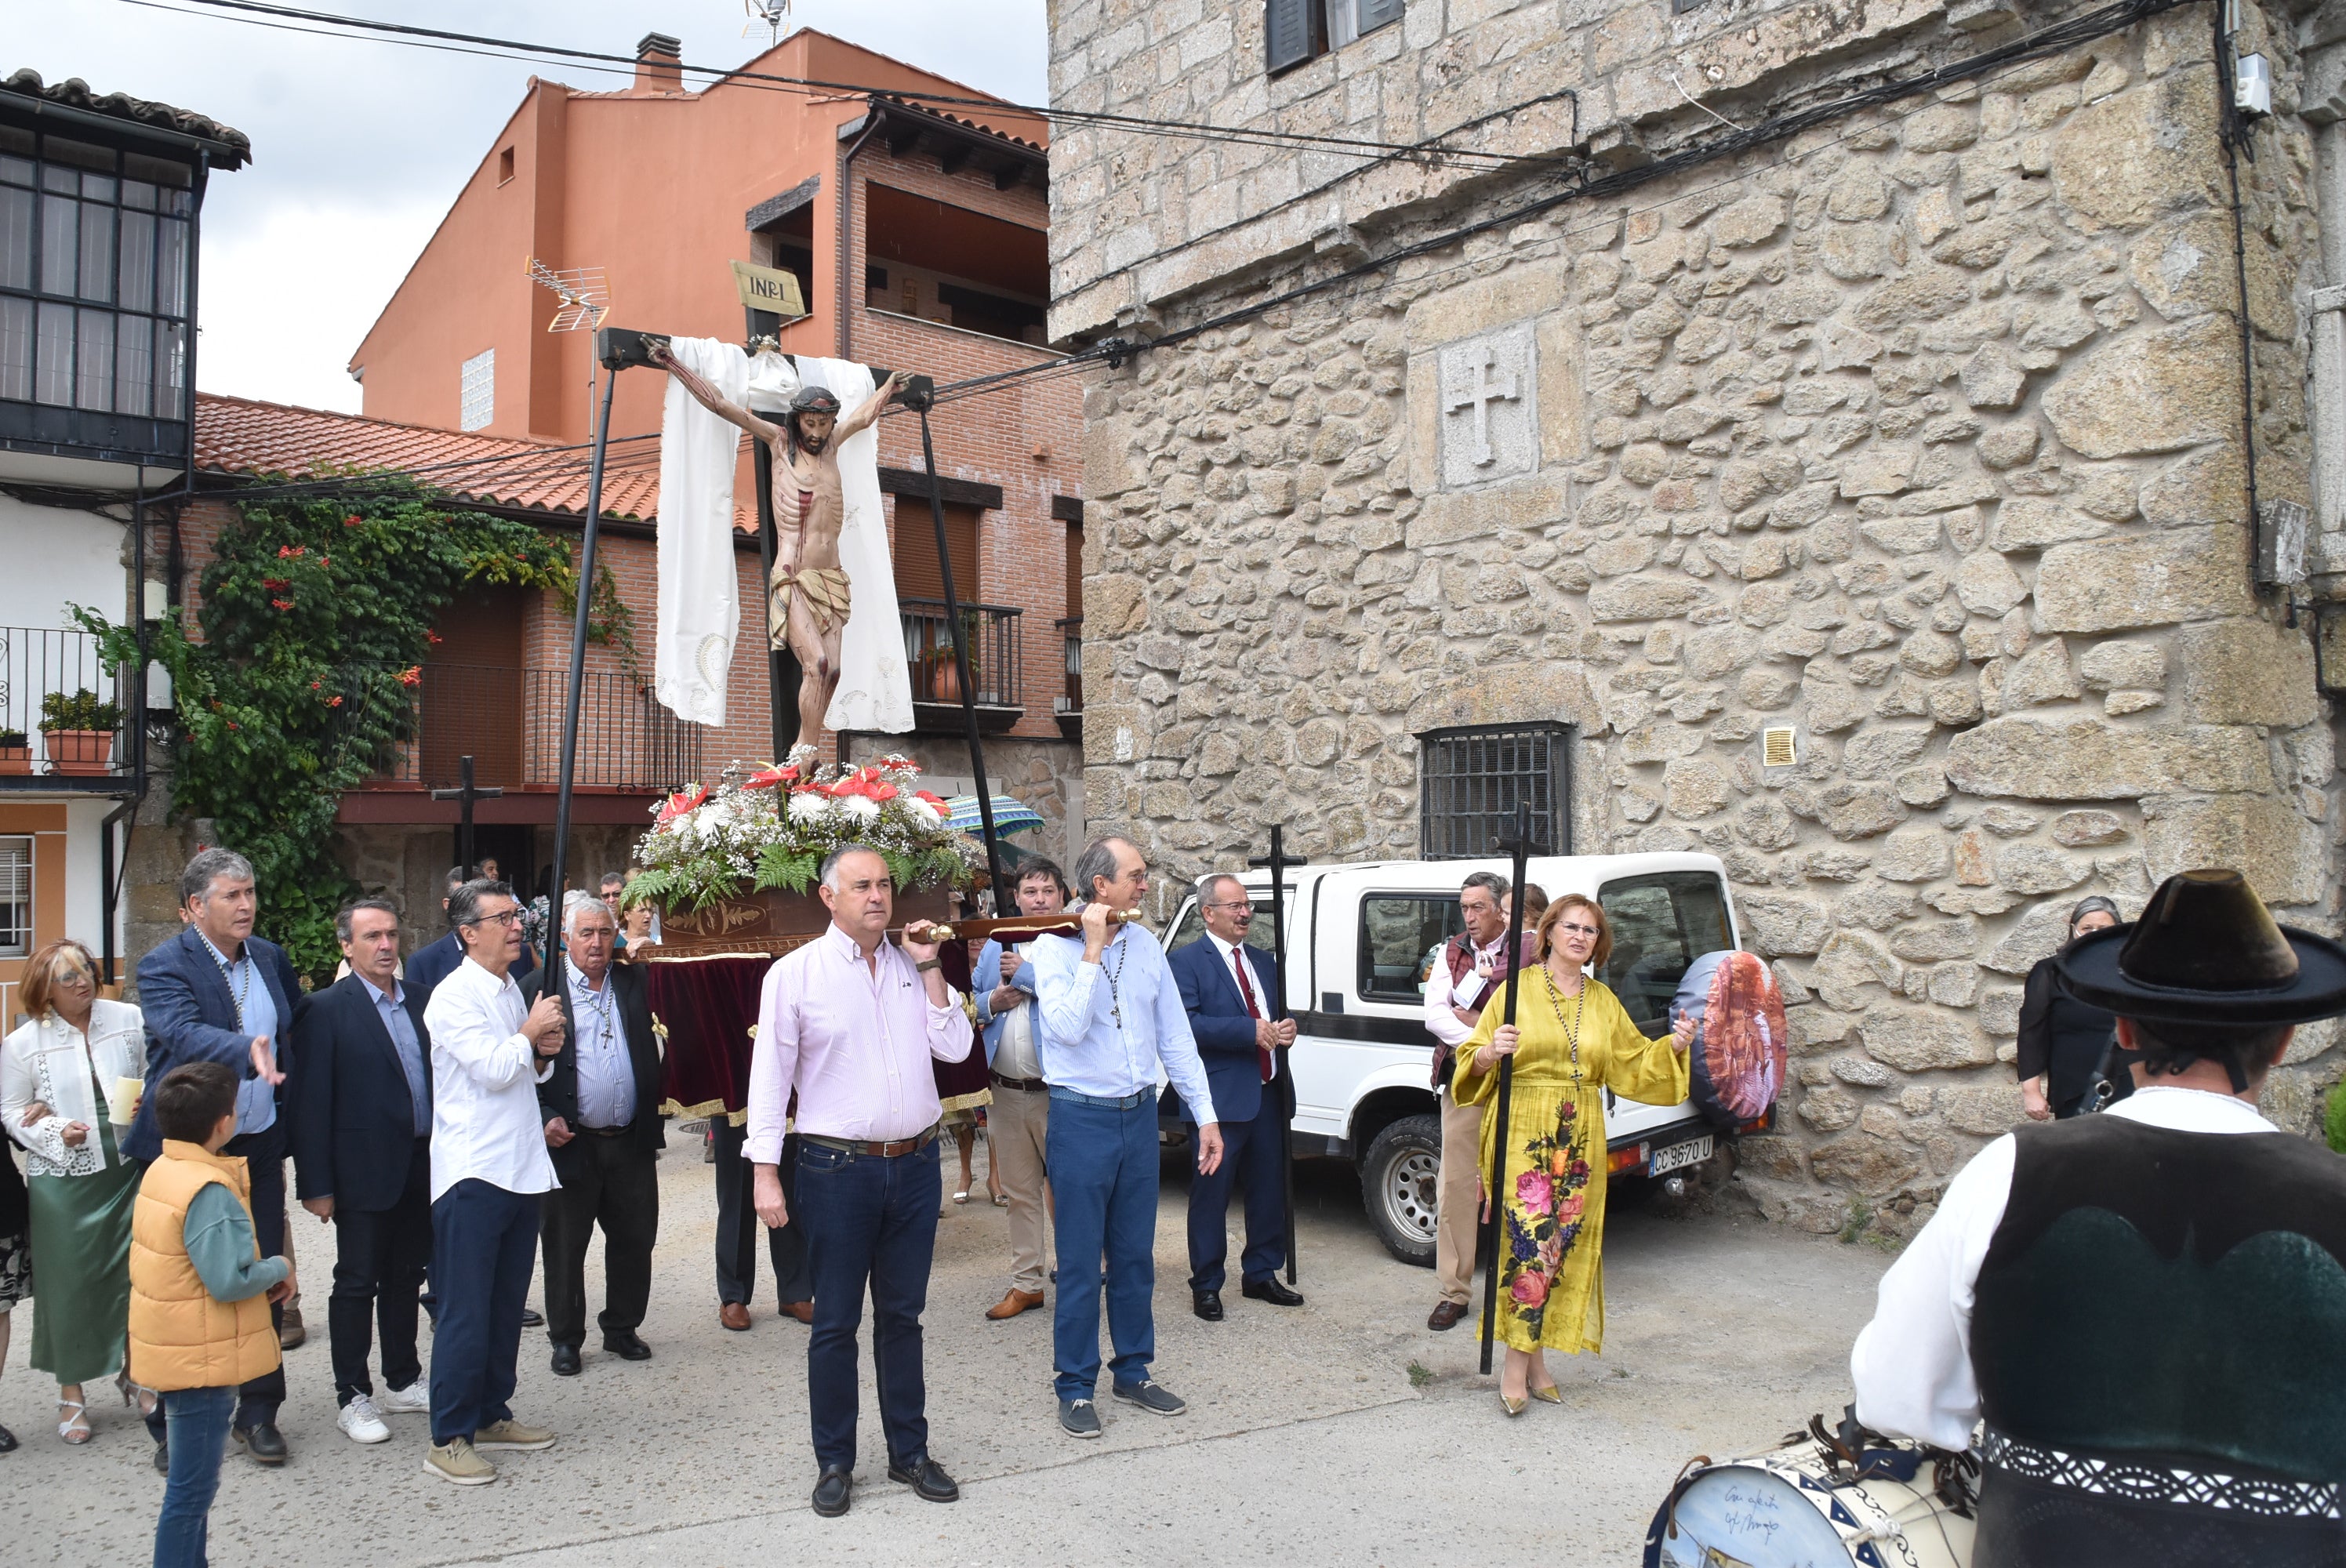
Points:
(81, 1257)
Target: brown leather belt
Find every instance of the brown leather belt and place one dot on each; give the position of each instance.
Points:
(887, 1151)
(1031, 1085)
(602, 1132)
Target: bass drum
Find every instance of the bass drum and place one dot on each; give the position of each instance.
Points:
(1797, 1508)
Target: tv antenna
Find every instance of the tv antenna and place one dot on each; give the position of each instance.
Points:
(585, 296)
(769, 12)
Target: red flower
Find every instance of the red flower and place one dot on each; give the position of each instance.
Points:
(333, 702)
(325, 560)
(231, 724)
(284, 552)
(432, 637)
(680, 802)
(282, 604)
(411, 676)
(766, 777)
(942, 809)
(276, 584)
(352, 521)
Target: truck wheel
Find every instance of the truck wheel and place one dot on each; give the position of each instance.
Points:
(1399, 1181)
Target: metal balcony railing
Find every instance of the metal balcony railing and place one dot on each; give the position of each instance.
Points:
(1071, 637)
(35, 664)
(510, 722)
(992, 633)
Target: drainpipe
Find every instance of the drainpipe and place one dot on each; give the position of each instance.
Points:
(873, 117)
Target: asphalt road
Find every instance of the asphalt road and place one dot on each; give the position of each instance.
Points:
(1342, 1431)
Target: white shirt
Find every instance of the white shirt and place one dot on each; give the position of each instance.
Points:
(1440, 996)
(1913, 1364)
(1015, 1056)
(485, 1124)
(1106, 1026)
(1249, 984)
(49, 1061)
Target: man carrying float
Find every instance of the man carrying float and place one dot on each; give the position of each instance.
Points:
(2147, 1307)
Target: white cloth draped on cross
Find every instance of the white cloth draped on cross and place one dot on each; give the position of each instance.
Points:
(699, 596)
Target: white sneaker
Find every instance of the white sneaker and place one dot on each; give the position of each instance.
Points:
(412, 1400)
(361, 1422)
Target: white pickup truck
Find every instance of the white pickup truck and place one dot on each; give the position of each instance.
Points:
(1360, 939)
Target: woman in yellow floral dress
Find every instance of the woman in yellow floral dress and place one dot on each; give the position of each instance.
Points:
(1571, 1040)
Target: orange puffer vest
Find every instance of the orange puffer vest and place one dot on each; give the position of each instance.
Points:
(180, 1338)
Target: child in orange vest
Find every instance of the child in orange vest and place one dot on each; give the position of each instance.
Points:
(199, 1295)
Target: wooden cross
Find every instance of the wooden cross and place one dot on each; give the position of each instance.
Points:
(1278, 860)
(1519, 846)
(464, 794)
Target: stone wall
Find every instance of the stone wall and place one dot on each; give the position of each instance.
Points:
(1047, 775)
(1921, 435)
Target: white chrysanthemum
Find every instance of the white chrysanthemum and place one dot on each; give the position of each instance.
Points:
(921, 812)
(810, 807)
(859, 808)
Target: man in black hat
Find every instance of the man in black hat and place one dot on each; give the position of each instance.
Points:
(806, 598)
(2147, 1307)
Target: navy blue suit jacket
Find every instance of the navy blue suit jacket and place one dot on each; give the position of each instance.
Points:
(428, 965)
(354, 1121)
(191, 1017)
(1224, 1029)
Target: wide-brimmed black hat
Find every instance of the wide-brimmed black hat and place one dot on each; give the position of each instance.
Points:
(2207, 951)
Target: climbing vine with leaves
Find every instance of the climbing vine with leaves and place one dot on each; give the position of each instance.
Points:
(317, 618)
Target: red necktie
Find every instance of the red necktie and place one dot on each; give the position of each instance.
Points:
(1238, 966)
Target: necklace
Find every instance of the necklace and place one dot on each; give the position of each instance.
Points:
(238, 989)
(1115, 993)
(1571, 1030)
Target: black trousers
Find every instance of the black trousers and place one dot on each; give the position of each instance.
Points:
(737, 1224)
(606, 1180)
(380, 1257)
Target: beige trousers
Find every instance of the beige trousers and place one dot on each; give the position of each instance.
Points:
(1015, 1126)
(1458, 1206)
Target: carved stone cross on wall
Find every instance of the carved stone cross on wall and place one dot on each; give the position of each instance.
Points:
(1486, 406)
(1488, 382)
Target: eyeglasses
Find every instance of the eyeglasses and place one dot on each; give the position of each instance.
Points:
(509, 917)
(1571, 930)
(1239, 904)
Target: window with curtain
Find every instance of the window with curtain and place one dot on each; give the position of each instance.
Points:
(94, 260)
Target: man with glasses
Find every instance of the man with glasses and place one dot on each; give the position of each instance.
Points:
(1227, 989)
(489, 1169)
(1017, 1125)
(1472, 966)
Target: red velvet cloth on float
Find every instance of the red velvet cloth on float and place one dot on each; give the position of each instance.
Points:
(705, 977)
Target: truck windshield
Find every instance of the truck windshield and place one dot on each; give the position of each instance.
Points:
(1661, 923)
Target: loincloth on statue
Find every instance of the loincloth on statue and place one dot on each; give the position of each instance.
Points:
(825, 591)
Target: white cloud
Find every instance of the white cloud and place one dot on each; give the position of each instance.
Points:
(360, 146)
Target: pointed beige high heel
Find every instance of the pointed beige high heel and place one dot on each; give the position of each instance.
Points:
(1514, 1407)
(1551, 1395)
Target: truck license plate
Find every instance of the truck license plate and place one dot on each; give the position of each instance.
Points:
(1692, 1152)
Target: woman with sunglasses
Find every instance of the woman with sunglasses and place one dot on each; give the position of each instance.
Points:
(1571, 1040)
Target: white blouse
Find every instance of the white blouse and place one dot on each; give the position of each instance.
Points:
(47, 1061)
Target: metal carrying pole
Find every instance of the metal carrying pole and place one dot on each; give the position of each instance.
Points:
(1278, 860)
(557, 978)
(1512, 953)
(919, 397)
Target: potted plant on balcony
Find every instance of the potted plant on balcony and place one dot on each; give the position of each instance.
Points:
(78, 732)
(732, 870)
(15, 752)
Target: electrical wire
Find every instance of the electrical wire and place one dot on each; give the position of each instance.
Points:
(283, 17)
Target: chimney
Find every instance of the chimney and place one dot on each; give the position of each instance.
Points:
(659, 64)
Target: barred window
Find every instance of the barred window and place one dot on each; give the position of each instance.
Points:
(477, 391)
(94, 254)
(15, 897)
(1470, 778)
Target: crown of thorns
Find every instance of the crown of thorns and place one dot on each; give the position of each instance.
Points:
(814, 400)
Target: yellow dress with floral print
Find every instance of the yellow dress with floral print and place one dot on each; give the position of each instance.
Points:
(1551, 1274)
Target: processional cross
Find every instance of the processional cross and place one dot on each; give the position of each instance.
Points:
(464, 794)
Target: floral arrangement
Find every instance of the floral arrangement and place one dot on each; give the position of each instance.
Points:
(771, 827)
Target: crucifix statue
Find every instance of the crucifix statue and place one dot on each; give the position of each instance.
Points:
(807, 597)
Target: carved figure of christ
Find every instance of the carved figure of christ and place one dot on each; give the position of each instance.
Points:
(806, 598)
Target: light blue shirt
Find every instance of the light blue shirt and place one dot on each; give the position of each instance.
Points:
(1102, 1029)
(392, 1008)
(256, 1014)
(607, 1077)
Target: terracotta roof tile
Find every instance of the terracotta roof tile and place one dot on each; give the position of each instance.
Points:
(75, 93)
(244, 438)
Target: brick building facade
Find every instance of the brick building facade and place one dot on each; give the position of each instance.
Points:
(1863, 498)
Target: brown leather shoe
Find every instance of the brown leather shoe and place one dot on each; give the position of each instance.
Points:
(1013, 1304)
(1446, 1315)
(801, 1310)
(734, 1316)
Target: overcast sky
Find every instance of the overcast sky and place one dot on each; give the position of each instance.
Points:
(359, 147)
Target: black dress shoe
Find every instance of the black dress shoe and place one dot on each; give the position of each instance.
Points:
(830, 1492)
(565, 1360)
(1207, 1304)
(530, 1318)
(928, 1481)
(163, 1457)
(263, 1440)
(7, 1440)
(1272, 1291)
(627, 1346)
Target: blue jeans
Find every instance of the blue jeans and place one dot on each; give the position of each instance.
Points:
(871, 1222)
(483, 1248)
(1103, 1165)
(198, 1421)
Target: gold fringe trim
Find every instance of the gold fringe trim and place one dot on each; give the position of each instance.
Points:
(968, 1102)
